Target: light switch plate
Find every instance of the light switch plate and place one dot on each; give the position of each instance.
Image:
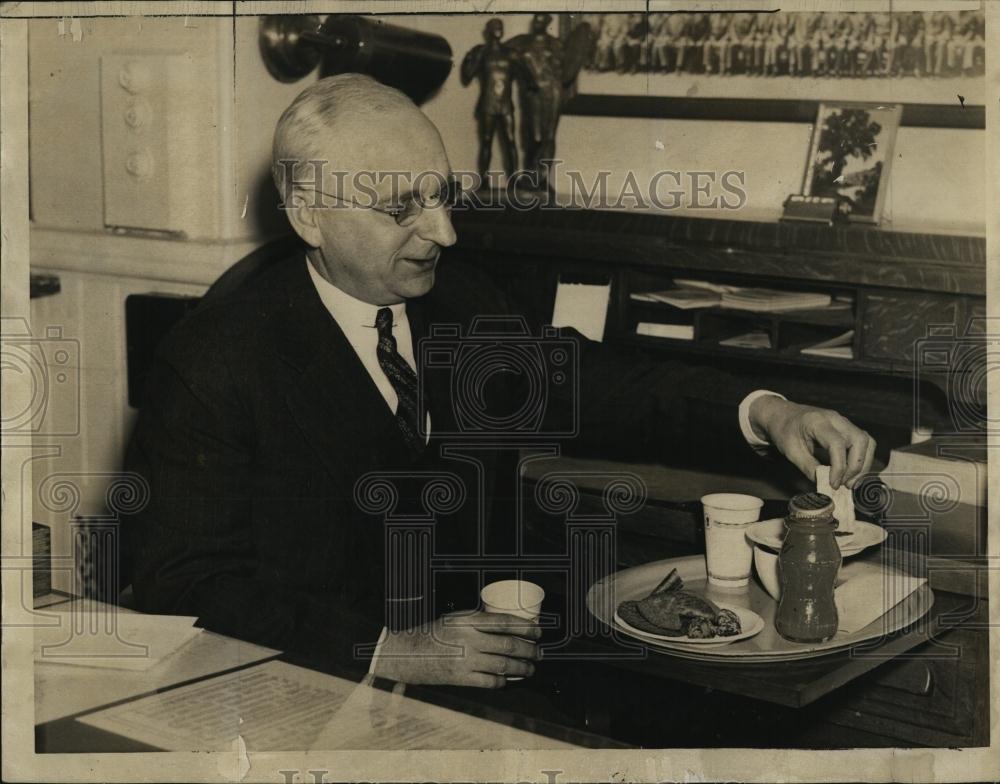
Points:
(145, 118)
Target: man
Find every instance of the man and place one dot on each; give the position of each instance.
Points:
(610, 41)
(775, 41)
(269, 403)
(717, 44)
(674, 40)
(741, 36)
(802, 47)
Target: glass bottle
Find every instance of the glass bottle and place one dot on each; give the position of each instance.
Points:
(808, 565)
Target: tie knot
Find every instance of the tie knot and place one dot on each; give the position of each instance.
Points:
(383, 321)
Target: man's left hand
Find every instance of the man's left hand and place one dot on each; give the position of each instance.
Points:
(796, 430)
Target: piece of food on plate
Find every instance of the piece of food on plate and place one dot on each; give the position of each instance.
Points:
(629, 612)
(680, 614)
(674, 609)
(672, 582)
(727, 623)
(673, 612)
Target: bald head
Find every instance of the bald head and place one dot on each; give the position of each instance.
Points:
(349, 114)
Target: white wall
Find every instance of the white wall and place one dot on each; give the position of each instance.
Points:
(937, 181)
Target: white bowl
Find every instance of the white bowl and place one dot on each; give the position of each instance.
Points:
(765, 561)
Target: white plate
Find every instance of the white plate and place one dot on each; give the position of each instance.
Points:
(771, 533)
(750, 622)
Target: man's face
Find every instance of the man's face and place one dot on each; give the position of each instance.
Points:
(387, 159)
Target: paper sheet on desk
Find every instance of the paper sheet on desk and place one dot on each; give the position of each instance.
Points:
(280, 707)
(869, 592)
(375, 719)
(582, 306)
(92, 634)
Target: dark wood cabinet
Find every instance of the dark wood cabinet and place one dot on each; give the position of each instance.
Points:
(935, 696)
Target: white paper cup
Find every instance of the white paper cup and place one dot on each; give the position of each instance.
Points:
(728, 552)
(514, 597)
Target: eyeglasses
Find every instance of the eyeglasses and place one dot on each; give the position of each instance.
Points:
(411, 206)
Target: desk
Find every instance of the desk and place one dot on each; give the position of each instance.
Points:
(66, 694)
(659, 701)
(63, 690)
(923, 686)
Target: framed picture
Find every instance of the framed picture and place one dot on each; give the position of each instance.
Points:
(752, 65)
(850, 155)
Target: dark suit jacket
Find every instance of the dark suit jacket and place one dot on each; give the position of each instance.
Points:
(259, 419)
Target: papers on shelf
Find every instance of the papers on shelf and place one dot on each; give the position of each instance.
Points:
(748, 340)
(765, 300)
(582, 306)
(680, 298)
(704, 285)
(91, 634)
(839, 347)
(690, 293)
(673, 331)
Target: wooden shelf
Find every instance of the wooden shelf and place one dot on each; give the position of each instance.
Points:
(784, 356)
(852, 254)
(825, 316)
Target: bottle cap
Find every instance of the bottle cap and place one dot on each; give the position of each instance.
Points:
(810, 506)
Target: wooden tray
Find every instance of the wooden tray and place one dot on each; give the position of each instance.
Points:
(768, 646)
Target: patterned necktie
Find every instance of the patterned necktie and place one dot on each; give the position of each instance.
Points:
(403, 380)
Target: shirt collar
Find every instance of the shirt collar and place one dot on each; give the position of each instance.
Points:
(350, 312)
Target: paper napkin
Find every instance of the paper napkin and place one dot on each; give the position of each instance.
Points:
(869, 593)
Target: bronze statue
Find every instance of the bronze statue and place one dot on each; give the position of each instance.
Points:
(548, 70)
(494, 64)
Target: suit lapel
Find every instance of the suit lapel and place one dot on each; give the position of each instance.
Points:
(435, 387)
(332, 398)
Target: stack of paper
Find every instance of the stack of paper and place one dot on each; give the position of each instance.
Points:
(680, 298)
(838, 347)
(766, 300)
(674, 331)
(92, 634)
(704, 285)
(749, 340)
(692, 293)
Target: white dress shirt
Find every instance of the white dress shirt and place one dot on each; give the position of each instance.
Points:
(357, 321)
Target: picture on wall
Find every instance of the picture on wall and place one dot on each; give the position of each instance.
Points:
(928, 56)
(850, 155)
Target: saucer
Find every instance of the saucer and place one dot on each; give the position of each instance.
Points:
(771, 533)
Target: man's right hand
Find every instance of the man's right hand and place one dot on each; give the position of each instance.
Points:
(462, 649)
